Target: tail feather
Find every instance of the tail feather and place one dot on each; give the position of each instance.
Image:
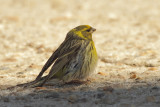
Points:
(31, 84)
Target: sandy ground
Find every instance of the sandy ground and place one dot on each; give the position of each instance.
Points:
(127, 41)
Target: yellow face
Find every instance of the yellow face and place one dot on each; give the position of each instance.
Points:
(85, 28)
(83, 32)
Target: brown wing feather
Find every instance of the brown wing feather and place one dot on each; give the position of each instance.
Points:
(61, 61)
(58, 53)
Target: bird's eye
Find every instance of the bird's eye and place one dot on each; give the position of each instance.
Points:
(88, 30)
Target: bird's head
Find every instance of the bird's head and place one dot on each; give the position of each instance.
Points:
(82, 32)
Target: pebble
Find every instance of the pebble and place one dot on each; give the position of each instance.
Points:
(155, 88)
(52, 95)
(22, 98)
(20, 73)
(73, 98)
(150, 99)
(45, 94)
(112, 99)
(83, 100)
(100, 95)
(5, 99)
(100, 89)
(106, 89)
(84, 88)
(32, 94)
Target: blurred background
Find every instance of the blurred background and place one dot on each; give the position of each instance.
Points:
(127, 37)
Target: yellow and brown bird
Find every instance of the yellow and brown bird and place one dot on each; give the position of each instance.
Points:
(75, 58)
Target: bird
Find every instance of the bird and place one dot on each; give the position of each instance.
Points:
(75, 59)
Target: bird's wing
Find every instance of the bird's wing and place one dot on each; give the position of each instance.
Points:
(62, 60)
(60, 52)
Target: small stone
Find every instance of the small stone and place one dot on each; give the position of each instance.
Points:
(22, 98)
(40, 88)
(133, 75)
(108, 88)
(2, 76)
(112, 99)
(84, 88)
(102, 73)
(32, 94)
(96, 102)
(154, 88)
(152, 68)
(6, 99)
(150, 99)
(52, 95)
(100, 95)
(11, 59)
(149, 65)
(83, 100)
(72, 98)
(20, 73)
(100, 89)
(21, 76)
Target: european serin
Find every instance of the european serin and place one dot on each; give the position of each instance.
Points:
(75, 59)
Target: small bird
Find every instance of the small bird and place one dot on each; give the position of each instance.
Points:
(75, 59)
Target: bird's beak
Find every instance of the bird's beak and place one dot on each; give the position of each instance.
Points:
(92, 30)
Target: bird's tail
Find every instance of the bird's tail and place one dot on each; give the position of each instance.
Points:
(32, 84)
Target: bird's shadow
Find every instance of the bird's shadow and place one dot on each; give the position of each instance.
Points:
(74, 83)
